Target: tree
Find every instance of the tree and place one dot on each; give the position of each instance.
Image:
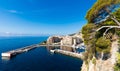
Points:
(103, 46)
(101, 16)
(88, 28)
(101, 10)
(87, 31)
(113, 23)
(103, 43)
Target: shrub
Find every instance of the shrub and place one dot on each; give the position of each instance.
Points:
(94, 60)
(103, 43)
(117, 65)
(88, 28)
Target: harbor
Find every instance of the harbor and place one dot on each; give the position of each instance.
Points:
(36, 59)
(15, 52)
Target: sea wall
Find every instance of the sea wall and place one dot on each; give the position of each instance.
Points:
(68, 53)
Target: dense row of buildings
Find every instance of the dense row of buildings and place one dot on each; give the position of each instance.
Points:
(64, 40)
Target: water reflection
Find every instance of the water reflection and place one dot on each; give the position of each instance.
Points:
(5, 58)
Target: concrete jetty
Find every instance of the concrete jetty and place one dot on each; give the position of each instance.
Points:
(57, 45)
(18, 51)
(68, 53)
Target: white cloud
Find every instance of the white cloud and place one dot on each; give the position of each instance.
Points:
(7, 32)
(15, 11)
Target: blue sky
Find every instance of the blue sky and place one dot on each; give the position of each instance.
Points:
(43, 16)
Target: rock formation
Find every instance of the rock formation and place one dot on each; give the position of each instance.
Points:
(103, 65)
(101, 37)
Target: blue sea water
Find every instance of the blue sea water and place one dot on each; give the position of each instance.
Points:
(39, 59)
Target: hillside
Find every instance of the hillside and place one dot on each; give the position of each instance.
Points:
(101, 37)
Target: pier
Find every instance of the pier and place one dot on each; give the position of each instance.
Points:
(68, 53)
(18, 51)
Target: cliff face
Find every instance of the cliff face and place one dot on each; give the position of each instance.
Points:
(101, 36)
(103, 65)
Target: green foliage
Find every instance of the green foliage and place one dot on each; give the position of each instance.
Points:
(108, 22)
(91, 53)
(103, 45)
(87, 32)
(117, 14)
(88, 28)
(86, 38)
(94, 60)
(94, 41)
(98, 49)
(107, 50)
(98, 6)
(119, 42)
(118, 32)
(117, 65)
(118, 57)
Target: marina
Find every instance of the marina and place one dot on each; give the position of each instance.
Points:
(15, 52)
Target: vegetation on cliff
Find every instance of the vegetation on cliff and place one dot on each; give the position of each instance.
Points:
(101, 9)
(98, 43)
(117, 66)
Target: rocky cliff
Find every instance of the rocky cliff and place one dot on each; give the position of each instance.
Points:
(101, 36)
(103, 65)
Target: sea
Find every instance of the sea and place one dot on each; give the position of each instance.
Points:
(39, 59)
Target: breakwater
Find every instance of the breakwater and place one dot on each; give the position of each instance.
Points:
(68, 53)
(18, 51)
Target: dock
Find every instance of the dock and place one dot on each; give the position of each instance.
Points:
(18, 51)
(68, 53)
